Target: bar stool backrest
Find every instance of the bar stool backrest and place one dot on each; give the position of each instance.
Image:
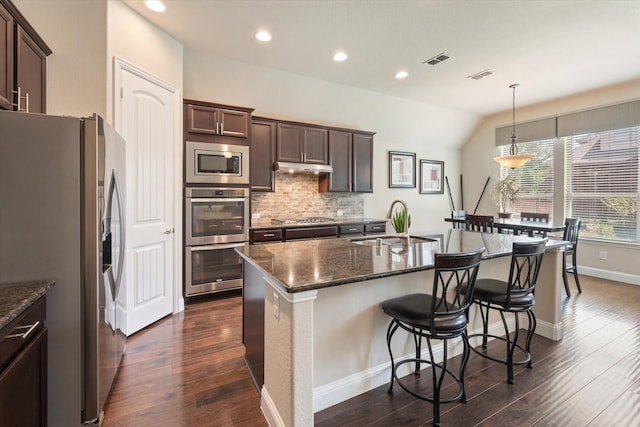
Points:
(571, 230)
(454, 279)
(526, 259)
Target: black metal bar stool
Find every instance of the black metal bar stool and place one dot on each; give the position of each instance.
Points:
(514, 296)
(571, 232)
(440, 315)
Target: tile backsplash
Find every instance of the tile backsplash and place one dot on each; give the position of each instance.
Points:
(297, 196)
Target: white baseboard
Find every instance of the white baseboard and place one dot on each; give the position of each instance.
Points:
(269, 409)
(333, 393)
(617, 276)
(553, 331)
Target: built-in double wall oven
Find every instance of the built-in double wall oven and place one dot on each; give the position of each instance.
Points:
(216, 222)
(216, 215)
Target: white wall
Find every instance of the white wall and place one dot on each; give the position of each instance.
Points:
(429, 131)
(478, 164)
(76, 32)
(135, 40)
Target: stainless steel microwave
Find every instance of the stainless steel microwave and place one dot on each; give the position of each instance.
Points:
(212, 163)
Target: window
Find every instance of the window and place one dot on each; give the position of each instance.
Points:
(602, 183)
(535, 178)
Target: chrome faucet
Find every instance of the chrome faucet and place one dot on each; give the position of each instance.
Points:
(405, 232)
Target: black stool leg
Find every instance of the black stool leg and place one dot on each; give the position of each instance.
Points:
(565, 279)
(437, 382)
(485, 325)
(532, 329)
(575, 271)
(465, 358)
(417, 340)
(390, 331)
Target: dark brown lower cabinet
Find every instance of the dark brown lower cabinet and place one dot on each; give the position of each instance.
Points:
(23, 369)
(23, 386)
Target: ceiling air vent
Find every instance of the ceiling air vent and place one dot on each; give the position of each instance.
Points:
(437, 59)
(481, 74)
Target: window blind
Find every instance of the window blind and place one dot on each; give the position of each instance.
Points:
(537, 130)
(535, 179)
(612, 117)
(602, 182)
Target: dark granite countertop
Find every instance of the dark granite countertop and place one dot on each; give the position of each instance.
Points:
(314, 264)
(17, 297)
(343, 220)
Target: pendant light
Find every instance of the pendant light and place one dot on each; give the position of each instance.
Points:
(513, 160)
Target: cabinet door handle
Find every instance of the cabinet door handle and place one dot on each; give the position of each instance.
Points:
(222, 128)
(26, 102)
(19, 92)
(218, 128)
(27, 333)
(269, 235)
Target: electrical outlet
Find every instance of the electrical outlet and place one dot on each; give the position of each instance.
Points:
(276, 306)
(339, 213)
(255, 216)
(603, 254)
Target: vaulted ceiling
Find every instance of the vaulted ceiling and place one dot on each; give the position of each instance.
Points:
(553, 48)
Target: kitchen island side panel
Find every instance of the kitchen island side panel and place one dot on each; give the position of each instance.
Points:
(253, 322)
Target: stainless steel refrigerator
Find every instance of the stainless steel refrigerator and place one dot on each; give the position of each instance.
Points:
(62, 183)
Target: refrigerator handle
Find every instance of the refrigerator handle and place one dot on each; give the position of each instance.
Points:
(121, 254)
(114, 271)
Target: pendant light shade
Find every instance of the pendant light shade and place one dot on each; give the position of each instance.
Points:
(513, 160)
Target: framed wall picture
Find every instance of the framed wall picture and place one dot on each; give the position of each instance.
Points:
(431, 177)
(402, 169)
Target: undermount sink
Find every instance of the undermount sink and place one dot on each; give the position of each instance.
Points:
(390, 240)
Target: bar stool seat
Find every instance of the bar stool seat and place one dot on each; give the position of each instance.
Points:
(493, 291)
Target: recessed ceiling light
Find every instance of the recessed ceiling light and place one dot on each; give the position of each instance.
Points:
(400, 74)
(340, 56)
(155, 5)
(263, 36)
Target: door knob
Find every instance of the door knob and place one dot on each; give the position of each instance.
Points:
(168, 231)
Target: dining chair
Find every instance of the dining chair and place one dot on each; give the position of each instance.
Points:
(535, 217)
(571, 231)
(479, 223)
(439, 315)
(516, 295)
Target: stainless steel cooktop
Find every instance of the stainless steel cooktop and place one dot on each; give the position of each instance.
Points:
(303, 220)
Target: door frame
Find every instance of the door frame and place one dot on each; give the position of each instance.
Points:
(120, 65)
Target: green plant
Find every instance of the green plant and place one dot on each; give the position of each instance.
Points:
(397, 220)
(506, 193)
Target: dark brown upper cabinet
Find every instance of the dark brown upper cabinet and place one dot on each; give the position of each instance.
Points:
(207, 122)
(297, 143)
(23, 56)
(363, 162)
(351, 156)
(262, 155)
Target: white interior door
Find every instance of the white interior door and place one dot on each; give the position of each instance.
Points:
(147, 118)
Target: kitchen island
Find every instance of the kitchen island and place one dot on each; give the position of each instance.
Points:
(323, 330)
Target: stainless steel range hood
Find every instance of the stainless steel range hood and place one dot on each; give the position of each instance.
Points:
(301, 168)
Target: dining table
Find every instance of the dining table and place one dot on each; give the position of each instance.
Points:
(518, 226)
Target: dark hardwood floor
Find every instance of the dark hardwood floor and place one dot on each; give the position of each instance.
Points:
(188, 370)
